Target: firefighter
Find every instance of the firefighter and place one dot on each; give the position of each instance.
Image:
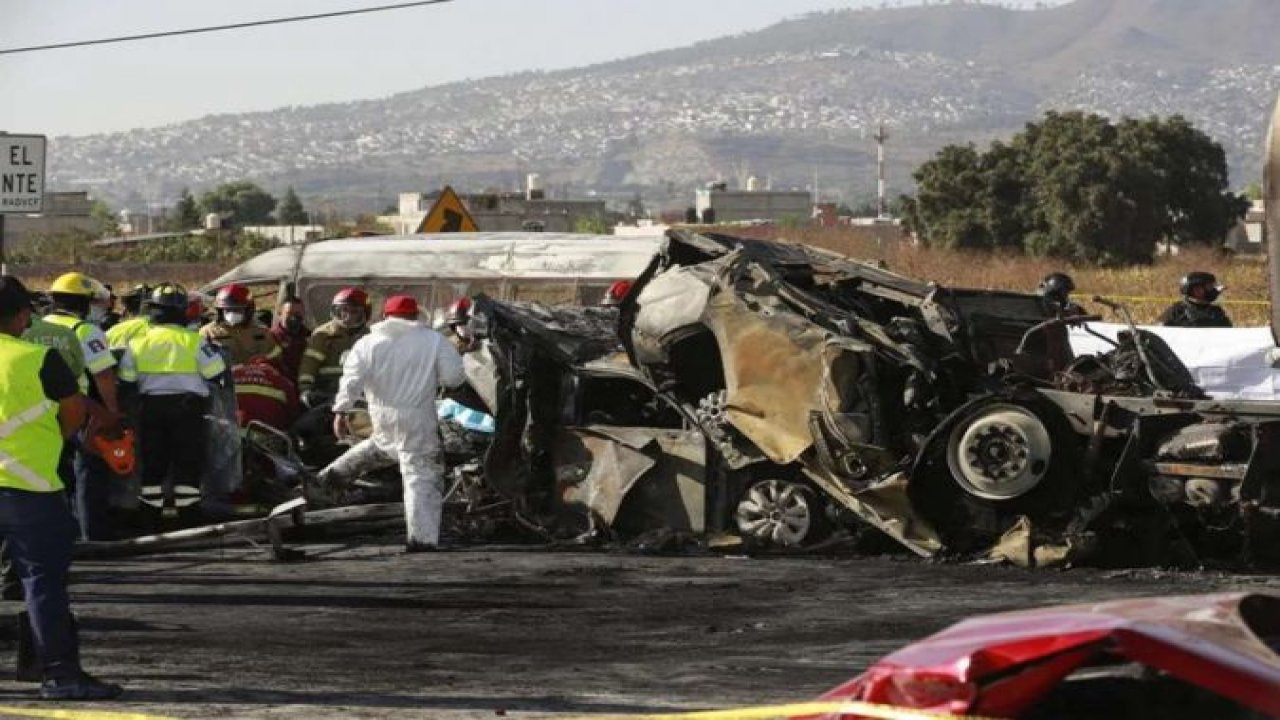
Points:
(1055, 289)
(321, 365)
(458, 318)
(290, 333)
(72, 296)
(263, 393)
(399, 368)
(236, 329)
(134, 322)
(41, 407)
(1200, 291)
(169, 370)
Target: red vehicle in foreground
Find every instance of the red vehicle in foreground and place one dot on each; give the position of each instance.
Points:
(1204, 656)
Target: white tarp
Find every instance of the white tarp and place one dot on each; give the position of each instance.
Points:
(1226, 362)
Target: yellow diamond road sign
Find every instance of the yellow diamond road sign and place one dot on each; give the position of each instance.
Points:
(448, 215)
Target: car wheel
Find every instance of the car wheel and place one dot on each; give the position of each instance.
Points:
(779, 513)
(1001, 453)
(999, 460)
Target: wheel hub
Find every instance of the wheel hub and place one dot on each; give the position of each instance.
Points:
(1001, 453)
(777, 512)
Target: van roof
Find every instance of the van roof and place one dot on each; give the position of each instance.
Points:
(494, 255)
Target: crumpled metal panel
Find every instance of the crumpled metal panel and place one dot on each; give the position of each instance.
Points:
(453, 255)
(671, 301)
(1271, 196)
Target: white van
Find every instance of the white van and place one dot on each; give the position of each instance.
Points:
(551, 268)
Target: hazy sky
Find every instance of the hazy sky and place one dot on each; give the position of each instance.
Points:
(154, 82)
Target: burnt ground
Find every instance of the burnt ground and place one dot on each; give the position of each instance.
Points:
(361, 630)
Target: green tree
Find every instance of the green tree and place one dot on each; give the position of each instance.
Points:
(240, 203)
(1077, 186)
(104, 219)
(591, 225)
(291, 211)
(186, 213)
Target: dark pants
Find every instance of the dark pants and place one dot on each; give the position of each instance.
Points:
(39, 534)
(93, 495)
(172, 439)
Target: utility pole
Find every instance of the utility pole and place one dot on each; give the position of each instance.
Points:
(882, 205)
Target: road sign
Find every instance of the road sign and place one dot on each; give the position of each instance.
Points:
(21, 173)
(448, 215)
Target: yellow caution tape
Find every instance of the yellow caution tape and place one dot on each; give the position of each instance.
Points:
(6, 711)
(1084, 297)
(859, 709)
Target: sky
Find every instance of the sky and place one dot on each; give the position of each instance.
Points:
(107, 88)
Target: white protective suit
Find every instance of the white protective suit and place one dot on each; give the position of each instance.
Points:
(398, 369)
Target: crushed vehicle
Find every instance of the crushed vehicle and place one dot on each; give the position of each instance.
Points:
(1163, 657)
(955, 421)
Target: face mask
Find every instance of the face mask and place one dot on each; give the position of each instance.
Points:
(234, 318)
(97, 314)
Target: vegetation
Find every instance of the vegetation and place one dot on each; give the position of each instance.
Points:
(240, 203)
(291, 211)
(1078, 187)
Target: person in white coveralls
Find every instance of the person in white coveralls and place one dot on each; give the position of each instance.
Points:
(399, 368)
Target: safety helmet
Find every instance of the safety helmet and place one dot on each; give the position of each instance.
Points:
(195, 308)
(1201, 279)
(459, 313)
(613, 296)
(168, 295)
(1056, 286)
(347, 300)
(400, 305)
(141, 290)
(352, 296)
(233, 296)
(74, 283)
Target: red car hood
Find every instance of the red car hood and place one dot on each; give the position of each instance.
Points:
(1001, 664)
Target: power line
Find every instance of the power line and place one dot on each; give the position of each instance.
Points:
(220, 28)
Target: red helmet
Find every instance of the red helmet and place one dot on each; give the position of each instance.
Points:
(195, 307)
(459, 313)
(233, 296)
(400, 305)
(613, 296)
(352, 296)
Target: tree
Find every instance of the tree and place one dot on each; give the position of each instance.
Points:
(239, 203)
(186, 213)
(291, 211)
(104, 219)
(1079, 187)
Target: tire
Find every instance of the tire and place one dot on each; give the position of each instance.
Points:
(999, 459)
(780, 512)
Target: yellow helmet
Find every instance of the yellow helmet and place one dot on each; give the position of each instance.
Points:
(74, 283)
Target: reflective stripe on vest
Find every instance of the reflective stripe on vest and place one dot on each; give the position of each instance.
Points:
(262, 391)
(166, 350)
(30, 437)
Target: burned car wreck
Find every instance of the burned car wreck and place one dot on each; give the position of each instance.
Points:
(955, 421)
(776, 392)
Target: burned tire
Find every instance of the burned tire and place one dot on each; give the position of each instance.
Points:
(996, 461)
(780, 512)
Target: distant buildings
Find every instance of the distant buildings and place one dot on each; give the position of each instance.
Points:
(504, 211)
(717, 204)
(63, 212)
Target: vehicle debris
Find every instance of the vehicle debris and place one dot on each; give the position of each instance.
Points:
(1169, 657)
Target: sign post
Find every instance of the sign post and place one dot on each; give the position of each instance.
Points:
(21, 179)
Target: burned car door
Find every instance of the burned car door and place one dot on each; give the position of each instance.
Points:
(627, 457)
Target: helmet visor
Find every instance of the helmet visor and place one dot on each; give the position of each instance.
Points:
(349, 316)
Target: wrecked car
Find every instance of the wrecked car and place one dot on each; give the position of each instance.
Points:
(1164, 657)
(955, 421)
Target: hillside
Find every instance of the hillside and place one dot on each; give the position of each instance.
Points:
(791, 102)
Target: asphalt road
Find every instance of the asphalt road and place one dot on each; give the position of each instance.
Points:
(361, 630)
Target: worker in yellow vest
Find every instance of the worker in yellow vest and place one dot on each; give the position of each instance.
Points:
(73, 296)
(133, 323)
(40, 406)
(169, 369)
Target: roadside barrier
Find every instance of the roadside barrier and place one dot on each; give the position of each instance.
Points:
(856, 709)
(1084, 297)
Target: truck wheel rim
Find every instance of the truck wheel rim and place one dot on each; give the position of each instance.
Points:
(1002, 453)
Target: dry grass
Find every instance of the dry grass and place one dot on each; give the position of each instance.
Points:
(1147, 290)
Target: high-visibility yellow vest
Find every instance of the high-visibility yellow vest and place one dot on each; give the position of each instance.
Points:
(30, 437)
(166, 350)
(123, 333)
